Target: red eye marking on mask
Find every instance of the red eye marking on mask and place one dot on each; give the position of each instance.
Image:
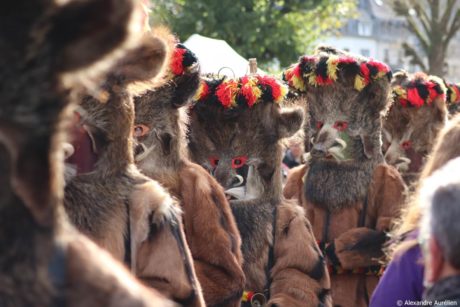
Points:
(214, 161)
(238, 162)
(340, 125)
(319, 125)
(406, 145)
(140, 130)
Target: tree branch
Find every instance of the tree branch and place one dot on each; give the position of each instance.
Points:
(423, 17)
(447, 14)
(415, 58)
(454, 28)
(434, 4)
(413, 27)
(400, 7)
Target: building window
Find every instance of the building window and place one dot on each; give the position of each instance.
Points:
(365, 52)
(364, 28)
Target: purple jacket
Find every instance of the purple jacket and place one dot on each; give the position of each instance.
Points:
(402, 280)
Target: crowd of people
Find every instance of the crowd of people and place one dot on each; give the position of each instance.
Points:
(130, 179)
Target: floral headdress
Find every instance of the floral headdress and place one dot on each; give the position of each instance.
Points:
(324, 70)
(181, 80)
(244, 91)
(419, 91)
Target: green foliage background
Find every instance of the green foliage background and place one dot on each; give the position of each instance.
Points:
(272, 31)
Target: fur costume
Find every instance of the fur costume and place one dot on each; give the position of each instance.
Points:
(235, 132)
(127, 213)
(209, 225)
(44, 57)
(413, 122)
(349, 194)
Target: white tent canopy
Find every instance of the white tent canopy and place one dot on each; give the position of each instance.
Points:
(216, 56)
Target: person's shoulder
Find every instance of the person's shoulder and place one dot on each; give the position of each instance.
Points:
(195, 171)
(384, 169)
(387, 177)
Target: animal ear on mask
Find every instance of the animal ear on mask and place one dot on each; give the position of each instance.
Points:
(185, 71)
(289, 122)
(185, 88)
(440, 107)
(145, 61)
(399, 77)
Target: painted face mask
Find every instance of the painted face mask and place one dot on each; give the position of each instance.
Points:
(235, 127)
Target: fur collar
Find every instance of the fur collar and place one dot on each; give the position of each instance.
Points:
(334, 186)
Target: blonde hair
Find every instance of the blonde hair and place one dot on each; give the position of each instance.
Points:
(447, 147)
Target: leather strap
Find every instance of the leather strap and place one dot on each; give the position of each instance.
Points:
(271, 256)
(127, 239)
(362, 214)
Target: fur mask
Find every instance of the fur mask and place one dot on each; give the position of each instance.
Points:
(108, 115)
(235, 130)
(417, 115)
(346, 96)
(160, 115)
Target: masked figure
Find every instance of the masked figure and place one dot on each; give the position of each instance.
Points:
(122, 210)
(413, 122)
(160, 118)
(350, 195)
(235, 130)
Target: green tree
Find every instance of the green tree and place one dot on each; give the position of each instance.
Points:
(434, 23)
(270, 30)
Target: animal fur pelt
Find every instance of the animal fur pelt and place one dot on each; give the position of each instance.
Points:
(127, 213)
(413, 122)
(208, 222)
(349, 194)
(235, 129)
(43, 260)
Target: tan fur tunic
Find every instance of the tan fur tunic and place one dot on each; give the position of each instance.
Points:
(211, 234)
(385, 197)
(299, 276)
